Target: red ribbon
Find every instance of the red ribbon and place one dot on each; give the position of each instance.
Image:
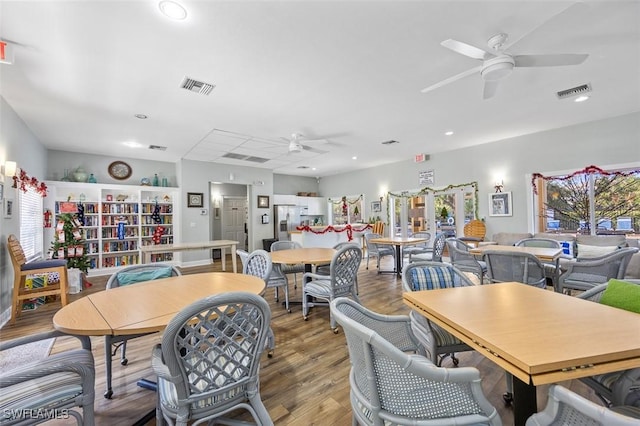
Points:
(22, 180)
(589, 170)
(350, 229)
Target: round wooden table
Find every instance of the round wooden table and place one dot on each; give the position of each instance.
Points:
(307, 256)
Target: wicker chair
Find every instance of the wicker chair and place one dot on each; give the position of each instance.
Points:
(474, 232)
(22, 269)
(289, 269)
(435, 254)
(418, 248)
(583, 274)
(209, 360)
(126, 276)
(618, 388)
(62, 381)
(378, 251)
(341, 281)
(565, 408)
(463, 260)
(507, 266)
(418, 276)
(325, 269)
(550, 268)
(391, 386)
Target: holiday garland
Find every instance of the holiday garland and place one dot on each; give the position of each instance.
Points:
(426, 190)
(22, 180)
(348, 228)
(589, 170)
(344, 201)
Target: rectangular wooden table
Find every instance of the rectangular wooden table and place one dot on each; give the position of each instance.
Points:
(539, 336)
(398, 243)
(544, 254)
(147, 251)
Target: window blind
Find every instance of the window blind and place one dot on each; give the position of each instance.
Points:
(31, 223)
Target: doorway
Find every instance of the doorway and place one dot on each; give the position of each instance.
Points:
(229, 214)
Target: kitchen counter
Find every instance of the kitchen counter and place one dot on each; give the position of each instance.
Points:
(329, 235)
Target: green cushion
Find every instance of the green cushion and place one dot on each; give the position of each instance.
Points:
(126, 278)
(623, 295)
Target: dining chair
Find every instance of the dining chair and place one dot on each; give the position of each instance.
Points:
(566, 408)
(463, 260)
(325, 269)
(22, 270)
(259, 264)
(208, 362)
(377, 250)
(506, 266)
(392, 383)
(474, 232)
(289, 269)
(584, 274)
(61, 382)
(126, 276)
(435, 255)
(550, 268)
(341, 281)
(425, 275)
(620, 387)
(420, 247)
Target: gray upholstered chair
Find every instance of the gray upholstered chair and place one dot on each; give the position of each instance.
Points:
(208, 363)
(620, 387)
(63, 381)
(506, 266)
(391, 386)
(341, 281)
(418, 248)
(463, 260)
(126, 276)
(435, 255)
(377, 250)
(418, 276)
(289, 269)
(550, 268)
(565, 408)
(583, 274)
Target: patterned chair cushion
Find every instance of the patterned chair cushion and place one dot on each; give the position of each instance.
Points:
(430, 278)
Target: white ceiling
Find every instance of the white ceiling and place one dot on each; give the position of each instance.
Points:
(349, 72)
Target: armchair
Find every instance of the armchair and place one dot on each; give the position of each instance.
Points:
(64, 380)
(126, 276)
(215, 368)
(418, 248)
(618, 388)
(289, 269)
(390, 386)
(463, 260)
(474, 232)
(22, 269)
(435, 254)
(505, 266)
(565, 408)
(583, 274)
(550, 268)
(419, 276)
(377, 251)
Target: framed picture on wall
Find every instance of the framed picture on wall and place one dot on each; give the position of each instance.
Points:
(195, 199)
(7, 208)
(263, 201)
(500, 204)
(376, 206)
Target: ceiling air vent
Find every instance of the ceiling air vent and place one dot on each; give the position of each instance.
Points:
(575, 91)
(197, 86)
(390, 142)
(250, 158)
(234, 156)
(158, 147)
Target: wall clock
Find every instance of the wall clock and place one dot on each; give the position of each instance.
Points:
(119, 170)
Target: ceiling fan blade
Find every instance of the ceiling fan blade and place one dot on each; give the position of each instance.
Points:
(452, 79)
(490, 89)
(549, 60)
(467, 50)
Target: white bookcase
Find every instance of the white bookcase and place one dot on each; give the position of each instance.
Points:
(118, 220)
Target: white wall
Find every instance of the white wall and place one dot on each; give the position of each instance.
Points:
(614, 141)
(19, 144)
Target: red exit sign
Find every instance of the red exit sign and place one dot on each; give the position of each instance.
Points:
(6, 53)
(420, 158)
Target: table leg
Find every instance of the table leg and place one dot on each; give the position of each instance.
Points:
(233, 259)
(223, 254)
(398, 260)
(524, 401)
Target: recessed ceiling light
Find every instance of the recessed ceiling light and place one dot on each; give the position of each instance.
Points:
(141, 116)
(449, 133)
(172, 10)
(354, 158)
(581, 98)
(132, 144)
(313, 168)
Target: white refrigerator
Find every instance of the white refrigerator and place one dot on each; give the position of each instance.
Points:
(286, 219)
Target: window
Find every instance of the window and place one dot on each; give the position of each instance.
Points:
(31, 223)
(347, 209)
(590, 201)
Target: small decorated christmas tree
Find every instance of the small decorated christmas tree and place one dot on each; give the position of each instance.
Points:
(69, 242)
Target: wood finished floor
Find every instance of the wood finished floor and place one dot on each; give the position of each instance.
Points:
(305, 383)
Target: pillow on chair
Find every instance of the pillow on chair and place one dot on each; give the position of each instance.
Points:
(623, 295)
(125, 278)
(587, 252)
(430, 278)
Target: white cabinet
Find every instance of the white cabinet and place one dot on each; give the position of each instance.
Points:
(282, 199)
(302, 201)
(317, 206)
(118, 220)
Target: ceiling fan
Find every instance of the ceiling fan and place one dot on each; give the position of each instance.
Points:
(295, 143)
(497, 63)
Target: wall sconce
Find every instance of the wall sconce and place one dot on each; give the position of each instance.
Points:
(10, 168)
(498, 185)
